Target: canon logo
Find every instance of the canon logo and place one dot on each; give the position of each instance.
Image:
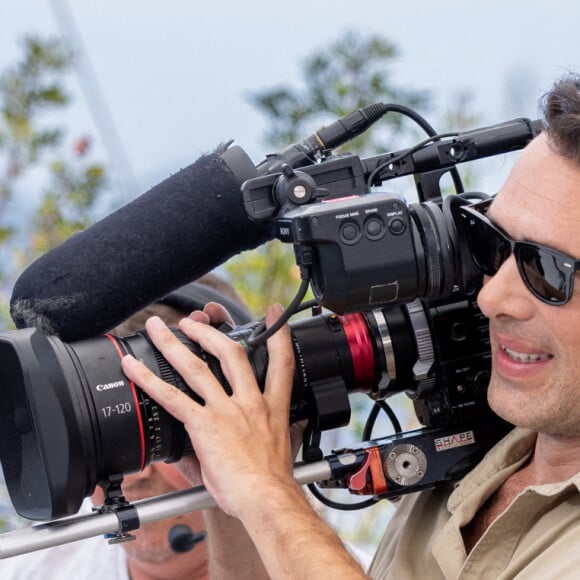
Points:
(108, 386)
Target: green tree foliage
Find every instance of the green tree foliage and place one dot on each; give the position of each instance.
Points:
(33, 101)
(26, 91)
(68, 203)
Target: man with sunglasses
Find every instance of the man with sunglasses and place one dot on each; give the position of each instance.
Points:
(517, 514)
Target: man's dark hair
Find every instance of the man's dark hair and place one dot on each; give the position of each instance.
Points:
(561, 111)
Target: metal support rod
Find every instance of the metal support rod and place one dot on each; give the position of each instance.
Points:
(79, 527)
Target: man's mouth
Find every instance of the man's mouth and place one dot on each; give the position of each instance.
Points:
(525, 357)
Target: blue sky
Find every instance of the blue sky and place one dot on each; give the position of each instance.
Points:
(176, 75)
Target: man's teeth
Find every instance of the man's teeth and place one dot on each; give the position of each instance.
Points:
(524, 357)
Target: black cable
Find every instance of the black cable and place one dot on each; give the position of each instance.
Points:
(371, 419)
(308, 304)
(408, 112)
(340, 506)
(259, 335)
(428, 128)
(413, 149)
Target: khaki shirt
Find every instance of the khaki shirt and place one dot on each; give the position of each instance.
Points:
(536, 537)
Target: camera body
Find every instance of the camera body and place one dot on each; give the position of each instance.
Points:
(348, 243)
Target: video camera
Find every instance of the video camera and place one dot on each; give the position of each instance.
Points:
(405, 284)
(400, 286)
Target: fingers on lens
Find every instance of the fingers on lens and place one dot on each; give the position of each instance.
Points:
(232, 355)
(218, 314)
(151, 383)
(192, 369)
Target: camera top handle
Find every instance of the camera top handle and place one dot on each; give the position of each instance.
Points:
(339, 176)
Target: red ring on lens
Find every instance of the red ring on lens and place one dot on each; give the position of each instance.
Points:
(121, 354)
(361, 350)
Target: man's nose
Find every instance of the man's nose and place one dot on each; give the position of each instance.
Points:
(505, 294)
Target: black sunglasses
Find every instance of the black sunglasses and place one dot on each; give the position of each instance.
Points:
(547, 273)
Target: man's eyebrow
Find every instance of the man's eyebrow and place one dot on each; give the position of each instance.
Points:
(504, 230)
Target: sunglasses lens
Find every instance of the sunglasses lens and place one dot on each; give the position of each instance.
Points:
(488, 247)
(545, 274)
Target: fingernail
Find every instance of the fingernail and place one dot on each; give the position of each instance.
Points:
(156, 322)
(129, 359)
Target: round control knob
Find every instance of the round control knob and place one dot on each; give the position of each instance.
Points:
(350, 232)
(397, 226)
(374, 228)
